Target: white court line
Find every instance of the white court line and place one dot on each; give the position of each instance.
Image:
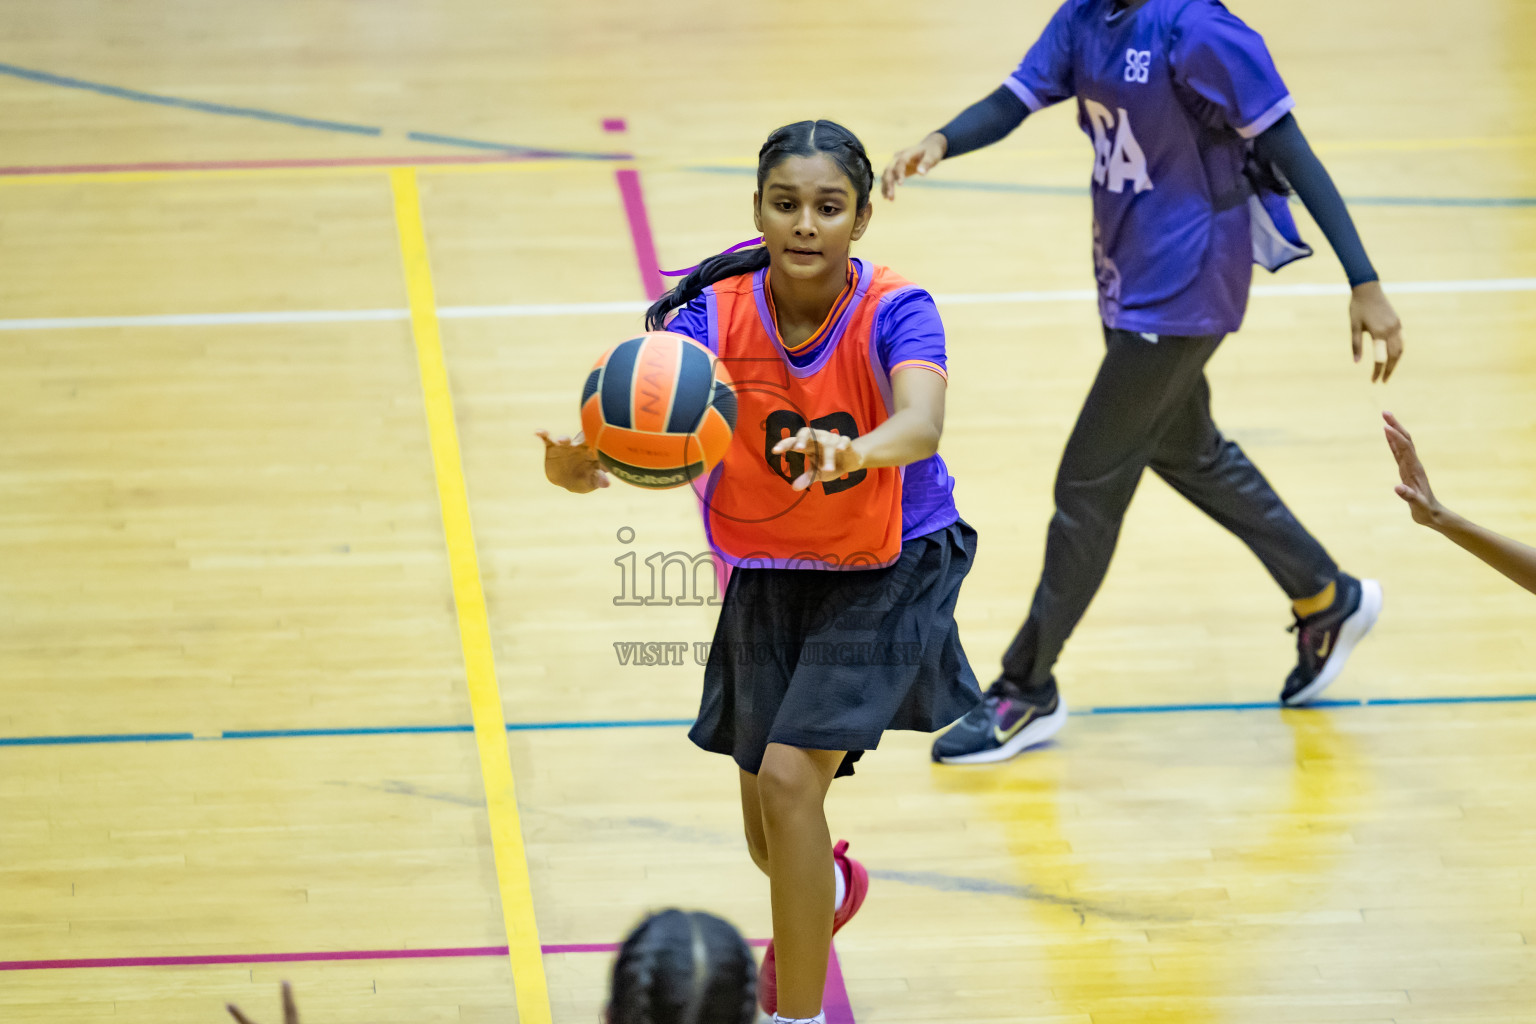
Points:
(334, 316)
(303, 316)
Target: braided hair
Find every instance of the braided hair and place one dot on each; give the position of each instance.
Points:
(681, 967)
(803, 138)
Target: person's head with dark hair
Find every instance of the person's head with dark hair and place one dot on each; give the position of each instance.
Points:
(811, 205)
(680, 967)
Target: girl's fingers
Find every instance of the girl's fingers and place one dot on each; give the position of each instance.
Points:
(1394, 355)
(795, 441)
(234, 1011)
(1401, 445)
(1398, 426)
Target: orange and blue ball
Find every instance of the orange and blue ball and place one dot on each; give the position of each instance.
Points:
(658, 410)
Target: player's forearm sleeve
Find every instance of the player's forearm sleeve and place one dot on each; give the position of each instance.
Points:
(1283, 146)
(984, 122)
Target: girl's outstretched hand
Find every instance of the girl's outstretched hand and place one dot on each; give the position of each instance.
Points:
(918, 159)
(290, 1009)
(1371, 313)
(827, 455)
(1415, 490)
(571, 464)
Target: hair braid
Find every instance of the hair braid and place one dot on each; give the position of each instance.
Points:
(635, 973)
(683, 968)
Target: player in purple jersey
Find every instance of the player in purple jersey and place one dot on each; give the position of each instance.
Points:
(1194, 149)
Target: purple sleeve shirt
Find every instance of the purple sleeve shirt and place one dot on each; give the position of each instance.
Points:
(909, 333)
(1169, 91)
(1044, 77)
(1225, 63)
(692, 320)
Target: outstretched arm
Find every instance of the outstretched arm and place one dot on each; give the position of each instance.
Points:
(1042, 78)
(1285, 148)
(982, 123)
(1510, 557)
(910, 434)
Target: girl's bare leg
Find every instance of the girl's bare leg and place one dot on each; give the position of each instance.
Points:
(791, 789)
(752, 822)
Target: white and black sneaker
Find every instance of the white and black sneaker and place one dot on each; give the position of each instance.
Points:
(1324, 640)
(1005, 723)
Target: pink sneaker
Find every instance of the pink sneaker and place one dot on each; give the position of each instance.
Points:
(856, 882)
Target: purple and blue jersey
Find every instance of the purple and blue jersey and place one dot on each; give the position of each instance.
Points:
(907, 332)
(1170, 92)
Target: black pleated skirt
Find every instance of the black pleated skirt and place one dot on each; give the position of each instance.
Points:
(828, 660)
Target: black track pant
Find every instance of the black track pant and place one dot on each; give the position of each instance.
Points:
(1150, 406)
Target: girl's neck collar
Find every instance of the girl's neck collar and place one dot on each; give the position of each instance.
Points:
(826, 313)
(808, 302)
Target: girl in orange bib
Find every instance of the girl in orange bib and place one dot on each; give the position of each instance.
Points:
(837, 516)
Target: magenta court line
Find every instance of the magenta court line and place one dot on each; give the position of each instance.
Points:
(251, 958)
(837, 1008)
(639, 221)
(248, 165)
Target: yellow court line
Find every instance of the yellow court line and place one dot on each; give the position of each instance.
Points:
(474, 625)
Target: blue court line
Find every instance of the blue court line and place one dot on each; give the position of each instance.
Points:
(1443, 201)
(502, 147)
(137, 96)
(642, 723)
(394, 730)
(122, 737)
(1014, 188)
(1496, 202)
(383, 730)
(1164, 709)
(203, 107)
(634, 723)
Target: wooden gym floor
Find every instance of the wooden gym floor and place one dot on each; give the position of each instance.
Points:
(263, 679)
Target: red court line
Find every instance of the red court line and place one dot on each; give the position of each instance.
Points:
(837, 1009)
(251, 958)
(835, 999)
(611, 947)
(508, 157)
(640, 232)
(639, 221)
